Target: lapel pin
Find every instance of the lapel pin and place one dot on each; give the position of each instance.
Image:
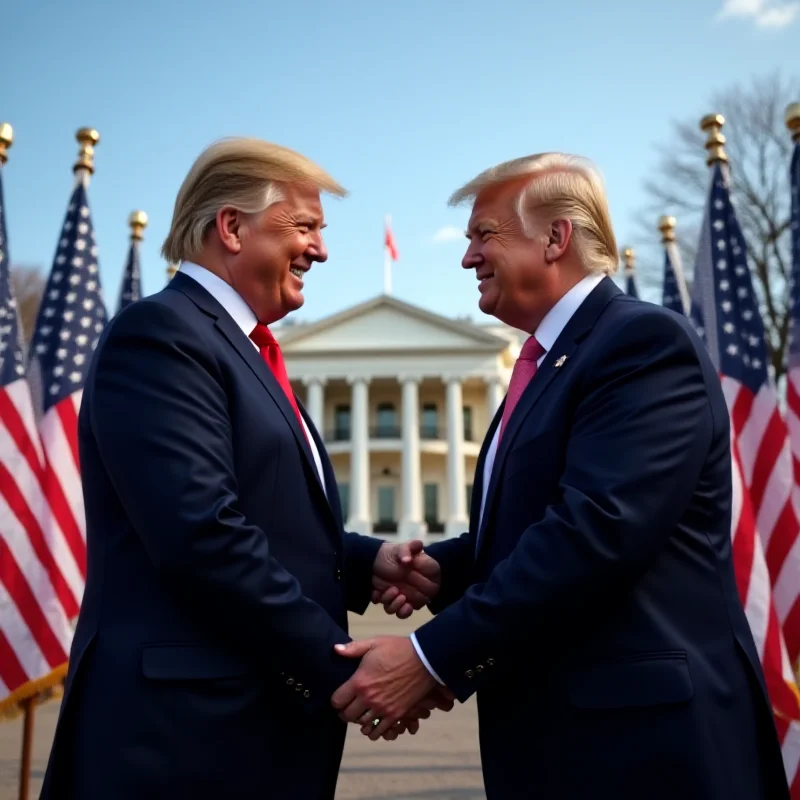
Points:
(560, 362)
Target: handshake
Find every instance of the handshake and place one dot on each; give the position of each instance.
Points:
(393, 689)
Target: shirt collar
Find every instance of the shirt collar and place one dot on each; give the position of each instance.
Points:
(560, 314)
(224, 294)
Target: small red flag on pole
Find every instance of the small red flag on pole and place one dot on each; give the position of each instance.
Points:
(390, 254)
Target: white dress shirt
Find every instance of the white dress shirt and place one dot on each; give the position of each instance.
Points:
(244, 317)
(546, 334)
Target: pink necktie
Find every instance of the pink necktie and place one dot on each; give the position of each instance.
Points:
(521, 376)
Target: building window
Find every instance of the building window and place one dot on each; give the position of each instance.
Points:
(344, 500)
(430, 493)
(387, 427)
(430, 422)
(469, 497)
(341, 423)
(468, 424)
(386, 521)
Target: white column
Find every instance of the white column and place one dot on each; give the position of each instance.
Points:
(360, 518)
(494, 394)
(316, 402)
(411, 525)
(456, 486)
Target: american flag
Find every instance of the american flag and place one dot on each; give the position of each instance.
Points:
(792, 623)
(34, 630)
(675, 295)
(764, 524)
(131, 281)
(71, 318)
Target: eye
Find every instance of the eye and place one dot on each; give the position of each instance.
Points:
(303, 227)
(485, 233)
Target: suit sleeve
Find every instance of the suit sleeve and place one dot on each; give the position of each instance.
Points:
(159, 415)
(456, 558)
(639, 439)
(360, 553)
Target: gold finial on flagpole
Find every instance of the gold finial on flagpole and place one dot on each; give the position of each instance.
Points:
(138, 222)
(630, 260)
(171, 270)
(715, 141)
(666, 225)
(6, 140)
(793, 120)
(88, 139)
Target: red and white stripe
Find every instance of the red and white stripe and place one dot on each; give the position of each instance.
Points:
(38, 584)
(763, 513)
(787, 588)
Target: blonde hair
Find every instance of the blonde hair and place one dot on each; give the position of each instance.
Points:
(564, 186)
(240, 172)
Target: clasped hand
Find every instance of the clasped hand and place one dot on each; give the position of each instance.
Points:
(391, 691)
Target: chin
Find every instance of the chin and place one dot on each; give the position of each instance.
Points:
(487, 303)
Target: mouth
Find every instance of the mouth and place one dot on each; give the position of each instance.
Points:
(298, 272)
(484, 279)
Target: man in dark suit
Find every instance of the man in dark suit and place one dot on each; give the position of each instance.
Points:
(219, 576)
(592, 605)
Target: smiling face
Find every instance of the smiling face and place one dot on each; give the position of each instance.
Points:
(518, 281)
(273, 251)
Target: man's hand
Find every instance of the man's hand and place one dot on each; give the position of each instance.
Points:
(404, 578)
(388, 685)
(439, 698)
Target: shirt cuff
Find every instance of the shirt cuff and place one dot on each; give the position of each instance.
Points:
(423, 659)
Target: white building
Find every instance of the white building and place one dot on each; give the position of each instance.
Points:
(403, 398)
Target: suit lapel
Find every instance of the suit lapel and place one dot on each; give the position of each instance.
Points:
(242, 344)
(533, 392)
(555, 362)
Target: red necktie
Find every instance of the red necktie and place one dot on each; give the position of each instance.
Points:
(271, 353)
(521, 376)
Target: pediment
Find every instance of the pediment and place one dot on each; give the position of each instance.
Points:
(387, 324)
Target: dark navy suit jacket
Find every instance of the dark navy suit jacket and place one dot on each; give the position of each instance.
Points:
(598, 618)
(219, 576)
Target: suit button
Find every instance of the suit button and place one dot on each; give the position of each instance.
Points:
(469, 674)
(338, 574)
(290, 681)
(306, 694)
(479, 668)
(299, 687)
(490, 662)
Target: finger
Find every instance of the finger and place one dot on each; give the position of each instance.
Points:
(344, 695)
(422, 583)
(389, 595)
(396, 604)
(410, 549)
(355, 649)
(379, 730)
(406, 611)
(412, 726)
(376, 596)
(354, 710)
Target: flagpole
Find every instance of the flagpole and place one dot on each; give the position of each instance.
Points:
(387, 261)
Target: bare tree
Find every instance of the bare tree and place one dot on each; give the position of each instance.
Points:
(28, 284)
(759, 152)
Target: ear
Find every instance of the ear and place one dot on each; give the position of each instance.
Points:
(228, 224)
(559, 236)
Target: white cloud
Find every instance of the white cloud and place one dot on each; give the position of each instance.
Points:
(765, 13)
(448, 234)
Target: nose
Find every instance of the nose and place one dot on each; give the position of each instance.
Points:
(473, 257)
(316, 249)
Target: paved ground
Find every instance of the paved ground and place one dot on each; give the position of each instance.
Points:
(440, 763)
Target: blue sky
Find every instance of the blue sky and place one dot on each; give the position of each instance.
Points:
(401, 102)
